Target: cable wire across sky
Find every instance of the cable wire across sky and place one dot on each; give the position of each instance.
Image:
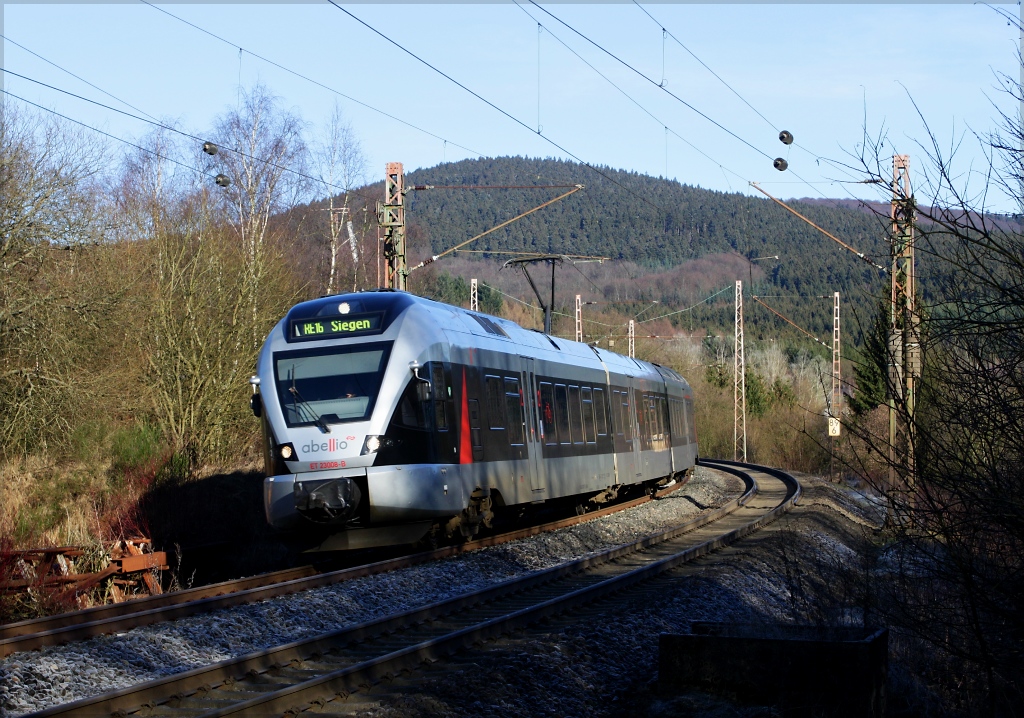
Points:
(312, 81)
(485, 40)
(170, 128)
(499, 109)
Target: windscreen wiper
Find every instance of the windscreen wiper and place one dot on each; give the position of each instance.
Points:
(300, 402)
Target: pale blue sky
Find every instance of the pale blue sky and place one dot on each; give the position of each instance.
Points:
(808, 68)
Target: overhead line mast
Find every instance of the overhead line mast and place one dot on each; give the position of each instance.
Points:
(904, 328)
(739, 385)
(391, 215)
(835, 407)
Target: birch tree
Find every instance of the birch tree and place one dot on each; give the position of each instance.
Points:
(263, 153)
(340, 163)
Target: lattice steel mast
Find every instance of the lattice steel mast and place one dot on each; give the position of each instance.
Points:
(739, 384)
(391, 216)
(904, 328)
(835, 406)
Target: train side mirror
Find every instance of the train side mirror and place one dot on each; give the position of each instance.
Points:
(256, 404)
(255, 401)
(423, 391)
(423, 388)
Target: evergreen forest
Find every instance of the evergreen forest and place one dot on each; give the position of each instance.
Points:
(652, 230)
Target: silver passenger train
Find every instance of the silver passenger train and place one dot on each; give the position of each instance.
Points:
(386, 416)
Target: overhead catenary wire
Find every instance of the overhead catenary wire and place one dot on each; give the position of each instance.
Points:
(457, 247)
(664, 89)
(688, 309)
(591, 321)
(632, 99)
(771, 124)
(592, 282)
(446, 141)
(107, 134)
(650, 80)
(499, 109)
(352, 99)
(828, 234)
(312, 81)
(77, 77)
(790, 321)
(532, 254)
(491, 186)
(171, 128)
(679, 42)
(505, 294)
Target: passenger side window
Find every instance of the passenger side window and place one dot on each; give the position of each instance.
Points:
(575, 415)
(514, 411)
(495, 403)
(547, 413)
(562, 414)
(589, 425)
(599, 412)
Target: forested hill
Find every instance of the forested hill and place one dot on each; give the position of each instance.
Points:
(648, 220)
(655, 223)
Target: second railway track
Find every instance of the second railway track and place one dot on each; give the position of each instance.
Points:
(314, 673)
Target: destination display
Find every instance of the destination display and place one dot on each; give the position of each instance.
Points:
(332, 327)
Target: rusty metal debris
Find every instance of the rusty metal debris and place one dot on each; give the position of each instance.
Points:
(129, 571)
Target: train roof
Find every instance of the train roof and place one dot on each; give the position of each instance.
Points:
(390, 304)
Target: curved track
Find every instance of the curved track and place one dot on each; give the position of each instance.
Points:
(315, 673)
(99, 620)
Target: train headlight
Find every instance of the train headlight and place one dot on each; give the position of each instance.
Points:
(370, 446)
(287, 451)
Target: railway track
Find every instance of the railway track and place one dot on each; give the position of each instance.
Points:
(319, 673)
(115, 618)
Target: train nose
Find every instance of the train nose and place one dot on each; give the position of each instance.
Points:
(327, 502)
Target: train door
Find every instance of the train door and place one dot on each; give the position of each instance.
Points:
(534, 429)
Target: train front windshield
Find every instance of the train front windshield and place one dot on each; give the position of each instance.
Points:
(330, 386)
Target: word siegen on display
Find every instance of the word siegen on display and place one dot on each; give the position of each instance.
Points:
(328, 328)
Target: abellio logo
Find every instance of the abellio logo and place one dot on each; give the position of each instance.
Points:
(329, 445)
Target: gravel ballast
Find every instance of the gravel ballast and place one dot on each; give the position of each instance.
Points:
(602, 662)
(39, 679)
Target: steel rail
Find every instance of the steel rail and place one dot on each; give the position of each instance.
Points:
(314, 671)
(136, 605)
(115, 618)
